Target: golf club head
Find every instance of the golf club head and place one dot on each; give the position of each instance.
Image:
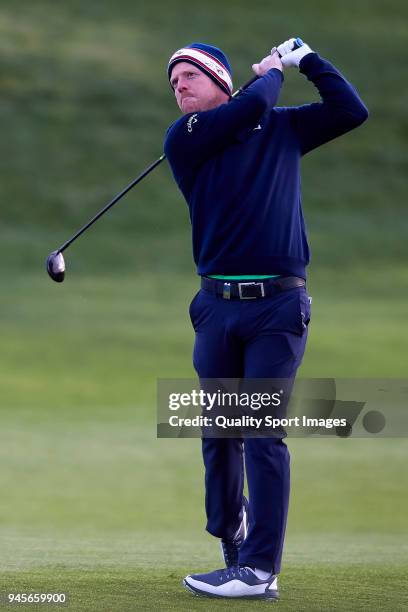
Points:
(56, 266)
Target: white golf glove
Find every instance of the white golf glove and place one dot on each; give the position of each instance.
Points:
(290, 57)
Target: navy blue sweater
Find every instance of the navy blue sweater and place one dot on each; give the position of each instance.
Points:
(238, 167)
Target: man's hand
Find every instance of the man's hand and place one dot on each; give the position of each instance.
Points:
(270, 61)
(292, 58)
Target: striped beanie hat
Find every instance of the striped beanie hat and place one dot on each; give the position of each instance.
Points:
(209, 60)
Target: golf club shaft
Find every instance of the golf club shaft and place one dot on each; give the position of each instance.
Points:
(112, 203)
(129, 187)
(141, 176)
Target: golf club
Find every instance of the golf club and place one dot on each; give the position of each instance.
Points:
(55, 263)
(55, 260)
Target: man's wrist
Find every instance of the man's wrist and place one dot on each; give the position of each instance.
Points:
(278, 70)
(305, 59)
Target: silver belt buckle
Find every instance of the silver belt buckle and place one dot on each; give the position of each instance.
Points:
(250, 297)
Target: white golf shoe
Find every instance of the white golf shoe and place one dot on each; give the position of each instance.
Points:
(233, 582)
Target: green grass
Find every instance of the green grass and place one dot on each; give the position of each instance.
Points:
(101, 510)
(92, 503)
(98, 507)
(145, 586)
(94, 342)
(85, 104)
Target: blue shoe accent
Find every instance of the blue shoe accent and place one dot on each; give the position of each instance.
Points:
(230, 548)
(233, 582)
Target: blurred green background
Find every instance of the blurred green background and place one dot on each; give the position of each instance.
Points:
(92, 503)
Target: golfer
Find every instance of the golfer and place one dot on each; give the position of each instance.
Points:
(237, 160)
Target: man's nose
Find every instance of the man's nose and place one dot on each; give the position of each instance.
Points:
(181, 84)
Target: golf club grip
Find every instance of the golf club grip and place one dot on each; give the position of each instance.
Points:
(297, 43)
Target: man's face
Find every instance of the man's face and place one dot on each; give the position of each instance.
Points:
(194, 90)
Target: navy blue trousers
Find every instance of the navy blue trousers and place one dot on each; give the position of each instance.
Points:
(261, 338)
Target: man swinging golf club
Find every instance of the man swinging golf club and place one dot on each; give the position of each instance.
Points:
(237, 162)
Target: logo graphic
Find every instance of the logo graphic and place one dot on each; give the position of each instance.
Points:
(258, 127)
(193, 119)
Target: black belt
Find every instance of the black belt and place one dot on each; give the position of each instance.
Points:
(250, 290)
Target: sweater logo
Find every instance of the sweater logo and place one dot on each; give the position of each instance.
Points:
(258, 127)
(193, 119)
